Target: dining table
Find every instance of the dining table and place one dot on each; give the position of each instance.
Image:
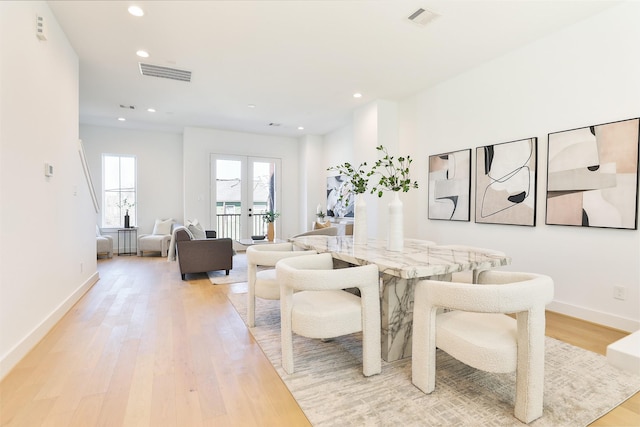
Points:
(399, 273)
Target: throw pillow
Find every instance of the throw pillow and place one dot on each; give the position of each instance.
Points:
(196, 229)
(162, 227)
(319, 225)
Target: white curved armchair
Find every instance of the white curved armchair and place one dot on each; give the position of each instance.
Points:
(263, 283)
(159, 239)
(104, 243)
(478, 334)
(154, 243)
(321, 309)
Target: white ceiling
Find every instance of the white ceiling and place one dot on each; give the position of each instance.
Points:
(298, 62)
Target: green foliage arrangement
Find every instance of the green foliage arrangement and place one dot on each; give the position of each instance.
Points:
(126, 205)
(394, 173)
(270, 216)
(357, 179)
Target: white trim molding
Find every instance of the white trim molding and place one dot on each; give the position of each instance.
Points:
(598, 317)
(13, 357)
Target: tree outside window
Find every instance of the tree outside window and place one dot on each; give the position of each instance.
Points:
(119, 189)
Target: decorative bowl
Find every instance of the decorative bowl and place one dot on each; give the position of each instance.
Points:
(257, 237)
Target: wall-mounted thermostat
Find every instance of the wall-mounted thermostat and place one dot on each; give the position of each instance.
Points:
(48, 169)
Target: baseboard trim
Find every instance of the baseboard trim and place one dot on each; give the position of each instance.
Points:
(16, 354)
(606, 319)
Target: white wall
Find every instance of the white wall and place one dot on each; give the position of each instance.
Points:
(200, 143)
(159, 174)
(586, 74)
(312, 179)
(47, 227)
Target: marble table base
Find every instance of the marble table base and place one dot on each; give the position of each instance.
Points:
(396, 307)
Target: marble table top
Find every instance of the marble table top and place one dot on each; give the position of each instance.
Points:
(419, 259)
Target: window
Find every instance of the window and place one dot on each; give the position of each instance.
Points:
(119, 189)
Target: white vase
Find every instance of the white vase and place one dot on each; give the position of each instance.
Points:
(360, 221)
(395, 238)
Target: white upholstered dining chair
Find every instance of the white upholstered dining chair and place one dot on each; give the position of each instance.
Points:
(313, 304)
(262, 283)
(477, 332)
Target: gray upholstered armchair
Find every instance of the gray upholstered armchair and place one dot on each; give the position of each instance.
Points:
(202, 255)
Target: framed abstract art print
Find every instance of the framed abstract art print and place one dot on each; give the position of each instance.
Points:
(450, 186)
(592, 176)
(506, 183)
(340, 201)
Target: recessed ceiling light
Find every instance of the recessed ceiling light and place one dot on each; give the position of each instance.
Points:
(357, 95)
(151, 110)
(251, 106)
(135, 11)
(300, 127)
(142, 54)
(122, 119)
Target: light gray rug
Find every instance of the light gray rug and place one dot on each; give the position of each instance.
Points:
(328, 384)
(236, 275)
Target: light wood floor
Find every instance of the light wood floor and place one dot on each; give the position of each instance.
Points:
(144, 348)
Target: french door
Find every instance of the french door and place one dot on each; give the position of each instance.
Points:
(243, 188)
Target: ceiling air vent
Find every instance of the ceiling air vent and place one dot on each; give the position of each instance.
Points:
(422, 16)
(165, 72)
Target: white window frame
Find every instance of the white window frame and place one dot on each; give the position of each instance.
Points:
(130, 193)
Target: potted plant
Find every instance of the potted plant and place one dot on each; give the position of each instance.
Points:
(270, 217)
(357, 182)
(126, 205)
(394, 176)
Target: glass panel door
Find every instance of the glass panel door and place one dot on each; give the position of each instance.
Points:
(243, 189)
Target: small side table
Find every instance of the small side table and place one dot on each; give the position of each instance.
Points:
(127, 234)
(250, 242)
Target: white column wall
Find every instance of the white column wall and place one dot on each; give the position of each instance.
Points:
(312, 179)
(47, 224)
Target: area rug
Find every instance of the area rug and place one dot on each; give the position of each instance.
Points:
(236, 275)
(329, 386)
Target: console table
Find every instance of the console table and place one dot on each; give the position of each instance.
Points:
(399, 272)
